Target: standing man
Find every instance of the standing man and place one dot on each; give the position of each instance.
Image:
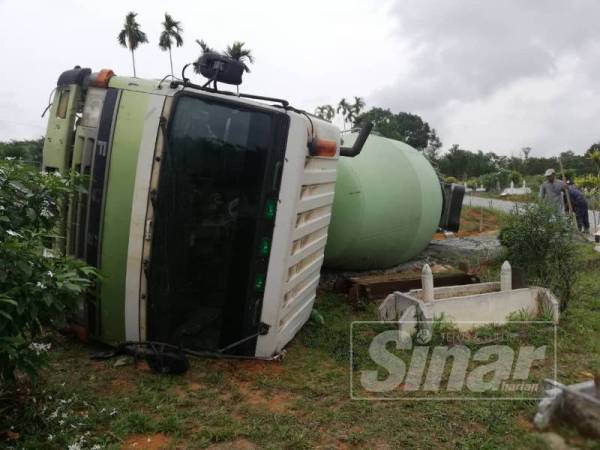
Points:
(580, 207)
(551, 191)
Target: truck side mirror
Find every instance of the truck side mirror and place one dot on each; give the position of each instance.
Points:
(351, 152)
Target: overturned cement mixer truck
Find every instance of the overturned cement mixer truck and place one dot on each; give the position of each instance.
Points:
(207, 212)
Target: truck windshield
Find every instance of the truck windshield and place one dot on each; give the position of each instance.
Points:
(208, 210)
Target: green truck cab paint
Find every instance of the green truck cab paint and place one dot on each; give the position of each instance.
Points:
(126, 140)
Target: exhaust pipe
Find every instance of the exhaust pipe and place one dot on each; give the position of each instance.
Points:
(351, 152)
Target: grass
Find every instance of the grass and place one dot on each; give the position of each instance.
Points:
(302, 402)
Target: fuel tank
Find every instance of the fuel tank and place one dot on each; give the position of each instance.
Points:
(386, 208)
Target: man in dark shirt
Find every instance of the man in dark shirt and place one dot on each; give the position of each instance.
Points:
(580, 207)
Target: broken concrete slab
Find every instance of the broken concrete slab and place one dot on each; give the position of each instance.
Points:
(579, 403)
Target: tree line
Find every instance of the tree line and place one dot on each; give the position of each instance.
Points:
(464, 164)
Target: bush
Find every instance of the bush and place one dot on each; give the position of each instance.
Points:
(35, 291)
(588, 182)
(539, 245)
(495, 181)
(516, 178)
(473, 183)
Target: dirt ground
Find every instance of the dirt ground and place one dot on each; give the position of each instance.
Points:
(472, 225)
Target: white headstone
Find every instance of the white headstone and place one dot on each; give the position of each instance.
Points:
(506, 277)
(427, 283)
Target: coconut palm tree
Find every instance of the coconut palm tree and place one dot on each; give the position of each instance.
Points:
(171, 32)
(239, 53)
(131, 36)
(325, 112)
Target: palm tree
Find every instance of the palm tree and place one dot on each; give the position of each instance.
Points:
(239, 53)
(204, 46)
(325, 112)
(205, 49)
(344, 108)
(356, 108)
(172, 31)
(131, 36)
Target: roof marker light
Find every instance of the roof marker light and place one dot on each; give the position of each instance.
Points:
(102, 78)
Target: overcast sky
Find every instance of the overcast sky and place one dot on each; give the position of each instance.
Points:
(490, 75)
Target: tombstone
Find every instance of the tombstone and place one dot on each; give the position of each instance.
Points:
(427, 283)
(506, 277)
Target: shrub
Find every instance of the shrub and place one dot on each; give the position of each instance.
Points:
(516, 178)
(588, 182)
(36, 291)
(495, 181)
(539, 245)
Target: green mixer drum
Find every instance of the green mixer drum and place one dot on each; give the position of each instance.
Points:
(387, 206)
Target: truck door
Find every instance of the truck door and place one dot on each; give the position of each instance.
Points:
(214, 216)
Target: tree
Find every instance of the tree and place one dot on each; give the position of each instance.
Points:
(131, 36)
(344, 108)
(171, 32)
(355, 109)
(526, 151)
(406, 127)
(325, 112)
(433, 146)
(516, 178)
(593, 148)
(28, 151)
(464, 164)
(204, 46)
(595, 158)
(239, 53)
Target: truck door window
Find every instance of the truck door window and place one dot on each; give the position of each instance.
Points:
(208, 206)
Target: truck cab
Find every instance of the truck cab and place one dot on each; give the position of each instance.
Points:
(206, 212)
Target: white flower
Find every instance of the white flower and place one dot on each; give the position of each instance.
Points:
(10, 158)
(74, 446)
(50, 437)
(39, 348)
(50, 274)
(96, 447)
(40, 285)
(12, 233)
(113, 412)
(45, 212)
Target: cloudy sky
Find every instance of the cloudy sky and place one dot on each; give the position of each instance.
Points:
(487, 75)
